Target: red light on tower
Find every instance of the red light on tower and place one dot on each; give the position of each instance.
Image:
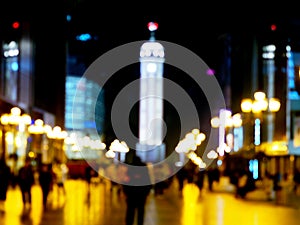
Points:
(273, 27)
(152, 26)
(15, 25)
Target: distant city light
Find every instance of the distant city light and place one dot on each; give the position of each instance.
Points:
(16, 25)
(68, 17)
(14, 66)
(11, 53)
(84, 37)
(269, 52)
(253, 167)
(11, 49)
(152, 26)
(269, 48)
(268, 55)
(179, 164)
(273, 27)
(212, 154)
(110, 154)
(117, 146)
(210, 72)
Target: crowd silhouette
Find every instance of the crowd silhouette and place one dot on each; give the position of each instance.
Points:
(135, 180)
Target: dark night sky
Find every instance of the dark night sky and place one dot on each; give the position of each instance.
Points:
(200, 32)
(198, 29)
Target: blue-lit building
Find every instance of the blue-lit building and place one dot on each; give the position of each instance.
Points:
(81, 95)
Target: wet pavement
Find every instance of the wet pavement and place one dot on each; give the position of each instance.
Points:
(106, 207)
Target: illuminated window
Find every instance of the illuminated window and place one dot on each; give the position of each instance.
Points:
(11, 70)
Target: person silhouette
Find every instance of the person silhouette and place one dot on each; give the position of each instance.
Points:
(5, 177)
(136, 190)
(26, 181)
(46, 182)
(199, 181)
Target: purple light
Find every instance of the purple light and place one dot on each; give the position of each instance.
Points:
(210, 72)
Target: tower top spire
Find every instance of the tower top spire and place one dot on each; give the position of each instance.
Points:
(152, 27)
(152, 49)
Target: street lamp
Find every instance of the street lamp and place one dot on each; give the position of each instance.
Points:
(14, 136)
(15, 122)
(224, 122)
(257, 106)
(119, 149)
(187, 147)
(56, 137)
(37, 131)
(253, 111)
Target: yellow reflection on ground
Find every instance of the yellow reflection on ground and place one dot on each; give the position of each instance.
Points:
(190, 210)
(82, 208)
(214, 208)
(89, 205)
(103, 207)
(15, 213)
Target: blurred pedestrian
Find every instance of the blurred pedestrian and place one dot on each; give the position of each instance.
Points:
(46, 182)
(246, 183)
(26, 180)
(199, 179)
(5, 177)
(296, 179)
(136, 191)
(60, 171)
(277, 187)
(213, 176)
(234, 179)
(267, 181)
(181, 176)
(89, 174)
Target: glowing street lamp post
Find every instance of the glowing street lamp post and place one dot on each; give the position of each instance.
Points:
(254, 109)
(224, 121)
(228, 139)
(257, 106)
(56, 138)
(38, 131)
(15, 123)
(187, 146)
(14, 136)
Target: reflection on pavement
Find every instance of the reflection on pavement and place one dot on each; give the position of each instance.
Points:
(104, 206)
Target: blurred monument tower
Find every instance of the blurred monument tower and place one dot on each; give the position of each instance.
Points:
(151, 147)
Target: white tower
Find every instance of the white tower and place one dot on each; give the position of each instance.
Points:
(150, 146)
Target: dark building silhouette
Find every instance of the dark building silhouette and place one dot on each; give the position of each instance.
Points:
(34, 78)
